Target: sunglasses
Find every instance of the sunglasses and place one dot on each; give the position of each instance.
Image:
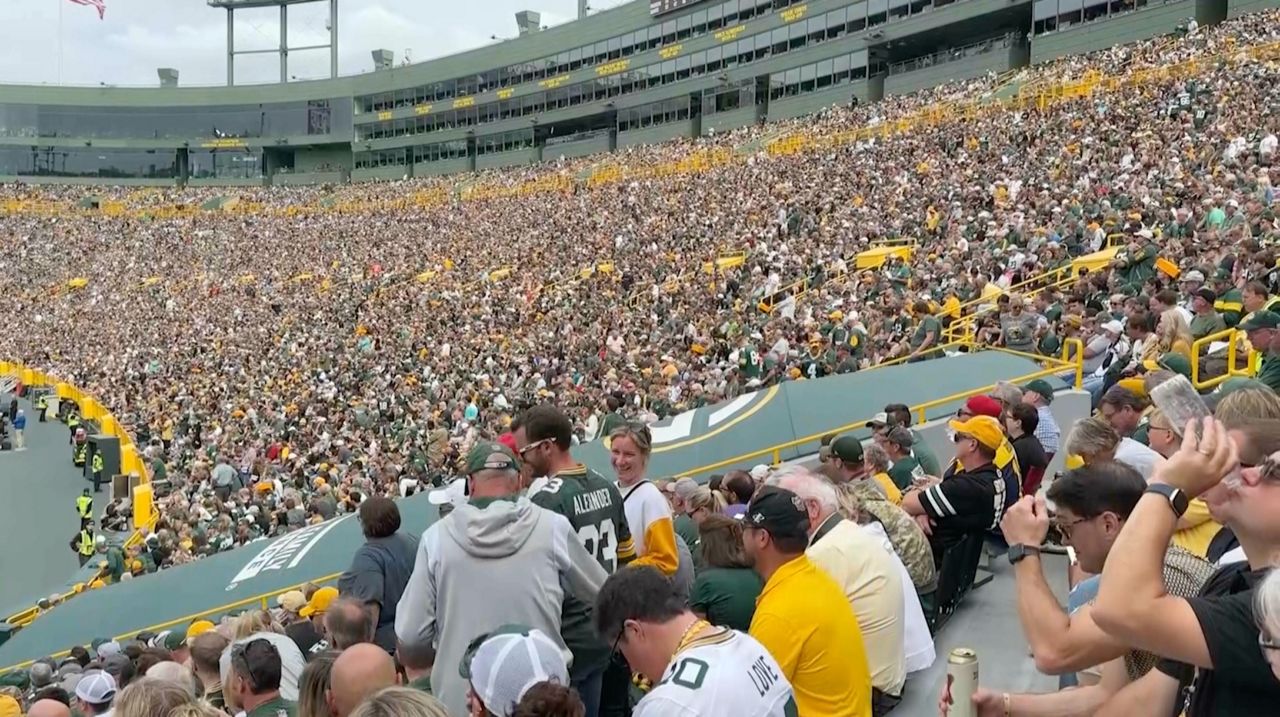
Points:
(1266, 643)
(532, 446)
(961, 437)
(1065, 528)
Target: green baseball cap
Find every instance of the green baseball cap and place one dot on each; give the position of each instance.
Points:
(1041, 387)
(847, 449)
(489, 455)
(1260, 320)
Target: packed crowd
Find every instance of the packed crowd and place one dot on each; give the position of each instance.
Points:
(280, 366)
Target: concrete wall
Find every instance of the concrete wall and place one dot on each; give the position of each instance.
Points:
(731, 120)
(580, 148)
(226, 182)
(448, 166)
(1236, 8)
(493, 160)
(658, 133)
(998, 60)
(373, 174)
(288, 179)
(810, 102)
(322, 158)
(1153, 20)
(100, 181)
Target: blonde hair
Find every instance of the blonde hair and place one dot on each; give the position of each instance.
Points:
(637, 433)
(253, 622)
(1092, 436)
(151, 697)
(313, 683)
(199, 708)
(1240, 407)
(399, 702)
(1266, 604)
(704, 497)
(1171, 329)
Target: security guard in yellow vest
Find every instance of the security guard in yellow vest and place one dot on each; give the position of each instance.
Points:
(84, 506)
(98, 466)
(79, 454)
(83, 544)
(73, 422)
(42, 406)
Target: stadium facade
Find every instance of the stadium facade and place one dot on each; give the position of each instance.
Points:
(638, 73)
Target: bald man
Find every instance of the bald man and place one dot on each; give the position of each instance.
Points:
(358, 672)
(48, 708)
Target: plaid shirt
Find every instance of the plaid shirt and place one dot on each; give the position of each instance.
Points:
(1047, 430)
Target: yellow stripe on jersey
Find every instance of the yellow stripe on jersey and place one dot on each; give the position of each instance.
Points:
(660, 546)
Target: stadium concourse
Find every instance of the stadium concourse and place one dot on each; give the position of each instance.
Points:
(285, 365)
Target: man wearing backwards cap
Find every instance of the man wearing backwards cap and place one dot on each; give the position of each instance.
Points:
(969, 501)
(94, 693)
(496, 559)
(502, 665)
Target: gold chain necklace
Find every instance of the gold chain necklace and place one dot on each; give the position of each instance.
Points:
(690, 633)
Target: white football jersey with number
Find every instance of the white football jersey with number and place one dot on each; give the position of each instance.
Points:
(724, 672)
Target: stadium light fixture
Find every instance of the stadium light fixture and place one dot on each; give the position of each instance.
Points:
(331, 24)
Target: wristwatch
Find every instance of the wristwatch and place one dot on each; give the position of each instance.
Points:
(1018, 551)
(1178, 500)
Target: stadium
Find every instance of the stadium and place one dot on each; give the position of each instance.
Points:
(941, 283)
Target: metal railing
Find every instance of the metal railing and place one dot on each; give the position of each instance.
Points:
(1200, 348)
(920, 411)
(263, 601)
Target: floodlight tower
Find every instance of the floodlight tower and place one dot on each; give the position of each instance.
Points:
(232, 5)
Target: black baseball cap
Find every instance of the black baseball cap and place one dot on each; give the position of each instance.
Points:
(778, 511)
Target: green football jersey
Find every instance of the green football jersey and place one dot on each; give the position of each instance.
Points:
(593, 506)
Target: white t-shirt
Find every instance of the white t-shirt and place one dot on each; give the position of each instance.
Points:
(1139, 457)
(917, 642)
(724, 672)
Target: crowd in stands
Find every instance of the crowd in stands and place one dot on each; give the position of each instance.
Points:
(287, 367)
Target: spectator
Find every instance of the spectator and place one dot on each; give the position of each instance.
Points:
(1020, 425)
(501, 666)
(1267, 611)
(206, 650)
(400, 702)
(704, 502)
(1093, 504)
(905, 470)
(877, 463)
(867, 572)
(40, 708)
(1005, 462)
(95, 693)
(739, 486)
(417, 661)
(285, 653)
(548, 699)
(1261, 328)
(348, 622)
(152, 697)
(1196, 528)
(726, 588)
(901, 415)
(380, 568)
(178, 674)
(1039, 393)
(648, 515)
(255, 678)
(1214, 631)
(317, 605)
(970, 501)
(358, 672)
(315, 699)
(677, 493)
(1095, 441)
(1206, 320)
(496, 536)
(544, 435)
(802, 617)
(1125, 411)
(672, 647)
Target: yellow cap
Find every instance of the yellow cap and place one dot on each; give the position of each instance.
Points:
(985, 429)
(199, 627)
(319, 602)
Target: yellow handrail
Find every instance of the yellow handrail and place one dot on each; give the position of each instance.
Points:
(775, 452)
(1199, 348)
(264, 600)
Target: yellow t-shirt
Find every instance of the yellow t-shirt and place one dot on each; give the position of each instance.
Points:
(1196, 539)
(804, 620)
(891, 492)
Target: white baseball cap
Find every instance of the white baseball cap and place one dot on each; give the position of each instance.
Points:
(502, 665)
(96, 688)
(455, 492)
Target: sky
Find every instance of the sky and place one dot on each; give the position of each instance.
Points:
(138, 36)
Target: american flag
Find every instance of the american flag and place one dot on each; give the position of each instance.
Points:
(101, 5)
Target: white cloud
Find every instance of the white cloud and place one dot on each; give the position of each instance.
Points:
(138, 36)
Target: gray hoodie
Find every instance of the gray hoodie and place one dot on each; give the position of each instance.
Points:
(491, 563)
